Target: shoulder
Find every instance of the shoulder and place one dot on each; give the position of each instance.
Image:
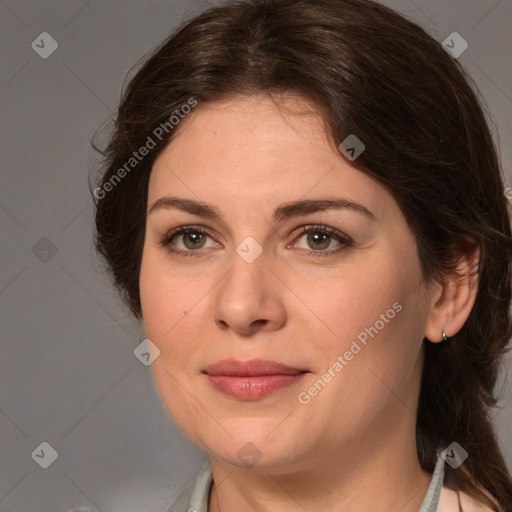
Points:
(451, 500)
(195, 496)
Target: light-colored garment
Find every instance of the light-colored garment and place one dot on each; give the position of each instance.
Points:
(194, 498)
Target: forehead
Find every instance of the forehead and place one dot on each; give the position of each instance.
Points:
(251, 150)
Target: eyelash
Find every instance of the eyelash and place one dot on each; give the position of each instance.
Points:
(344, 240)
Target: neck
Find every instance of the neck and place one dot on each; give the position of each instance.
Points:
(376, 472)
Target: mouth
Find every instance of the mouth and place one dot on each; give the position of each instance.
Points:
(253, 379)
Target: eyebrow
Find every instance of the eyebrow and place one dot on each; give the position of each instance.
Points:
(283, 212)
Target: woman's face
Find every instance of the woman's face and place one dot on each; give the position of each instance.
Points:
(289, 255)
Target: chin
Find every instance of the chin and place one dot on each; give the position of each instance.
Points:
(251, 447)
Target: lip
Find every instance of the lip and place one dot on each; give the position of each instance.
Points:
(253, 379)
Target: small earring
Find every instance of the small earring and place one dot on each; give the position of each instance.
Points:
(445, 337)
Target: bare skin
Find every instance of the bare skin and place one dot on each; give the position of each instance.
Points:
(351, 445)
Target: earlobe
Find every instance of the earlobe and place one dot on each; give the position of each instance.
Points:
(454, 299)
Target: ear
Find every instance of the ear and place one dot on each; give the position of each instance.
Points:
(453, 299)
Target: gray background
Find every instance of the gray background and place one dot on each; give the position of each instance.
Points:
(68, 375)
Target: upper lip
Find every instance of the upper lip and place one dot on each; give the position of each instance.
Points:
(253, 367)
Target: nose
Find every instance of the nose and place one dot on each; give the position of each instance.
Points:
(250, 298)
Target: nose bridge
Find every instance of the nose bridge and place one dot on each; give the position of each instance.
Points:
(245, 280)
(246, 295)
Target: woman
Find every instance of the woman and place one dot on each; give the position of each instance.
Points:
(303, 202)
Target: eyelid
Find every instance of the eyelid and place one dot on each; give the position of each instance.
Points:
(344, 240)
(307, 228)
(169, 235)
(300, 231)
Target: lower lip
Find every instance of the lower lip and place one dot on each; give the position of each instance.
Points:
(255, 387)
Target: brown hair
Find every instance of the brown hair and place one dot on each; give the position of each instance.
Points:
(372, 73)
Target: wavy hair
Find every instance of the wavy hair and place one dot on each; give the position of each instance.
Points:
(371, 72)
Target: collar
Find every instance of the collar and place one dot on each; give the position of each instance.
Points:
(194, 498)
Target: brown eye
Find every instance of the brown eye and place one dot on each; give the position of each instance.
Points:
(317, 240)
(188, 240)
(193, 239)
(322, 241)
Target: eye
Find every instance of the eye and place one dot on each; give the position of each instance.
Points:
(190, 240)
(187, 240)
(319, 238)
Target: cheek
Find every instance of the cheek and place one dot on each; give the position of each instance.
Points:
(371, 364)
(165, 301)
(345, 306)
(374, 320)
(177, 314)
